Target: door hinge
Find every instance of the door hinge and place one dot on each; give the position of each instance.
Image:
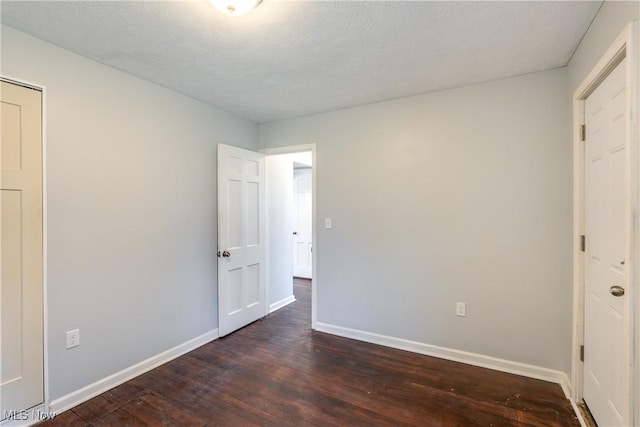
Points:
(582, 353)
(583, 132)
(583, 243)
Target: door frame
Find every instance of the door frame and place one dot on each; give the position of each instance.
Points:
(624, 46)
(291, 149)
(45, 407)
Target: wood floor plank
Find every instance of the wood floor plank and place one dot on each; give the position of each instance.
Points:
(151, 416)
(96, 408)
(278, 372)
(119, 418)
(67, 419)
(181, 413)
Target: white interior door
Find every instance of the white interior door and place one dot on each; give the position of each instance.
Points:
(302, 223)
(606, 363)
(21, 373)
(241, 238)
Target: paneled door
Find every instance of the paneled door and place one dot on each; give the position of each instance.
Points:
(606, 347)
(302, 223)
(21, 373)
(241, 238)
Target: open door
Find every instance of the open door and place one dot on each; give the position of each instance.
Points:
(241, 238)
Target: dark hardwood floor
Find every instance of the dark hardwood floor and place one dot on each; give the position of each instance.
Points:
(277, 372)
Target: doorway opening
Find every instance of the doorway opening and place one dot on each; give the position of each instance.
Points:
(291, 219)
(302, 195)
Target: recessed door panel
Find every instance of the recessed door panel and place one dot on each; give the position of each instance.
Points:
(235, 291)
(12, 266)
(253, 285)
(11, 133)
(253, 213)
(235, 221)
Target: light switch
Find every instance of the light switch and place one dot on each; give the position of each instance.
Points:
(327, 223)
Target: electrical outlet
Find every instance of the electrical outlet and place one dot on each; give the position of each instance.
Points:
(461, 309)
(73, 338)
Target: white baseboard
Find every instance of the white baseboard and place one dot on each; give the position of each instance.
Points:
(75, 398)
(565, 383)
(474, 359)
(282, 303)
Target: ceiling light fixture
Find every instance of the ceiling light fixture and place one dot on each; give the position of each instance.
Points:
(235, 7)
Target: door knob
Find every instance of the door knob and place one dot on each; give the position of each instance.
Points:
(226, 254)
(616, 291)
(295, 233)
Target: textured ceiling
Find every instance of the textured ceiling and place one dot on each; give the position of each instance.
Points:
(294, 58)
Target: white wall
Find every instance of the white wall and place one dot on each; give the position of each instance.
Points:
(131, 186)
(279, 169)
(459, 195)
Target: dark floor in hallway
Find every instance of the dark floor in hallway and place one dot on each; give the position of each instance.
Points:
(278, 372)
